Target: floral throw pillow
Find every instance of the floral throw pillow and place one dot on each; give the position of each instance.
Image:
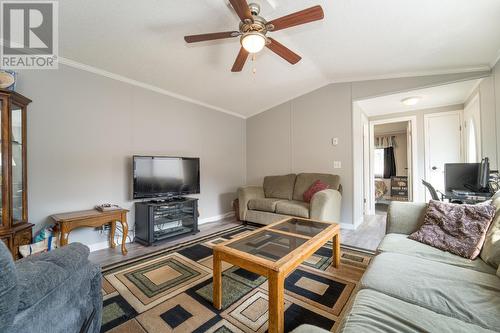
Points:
(459, 229)
(313, 189)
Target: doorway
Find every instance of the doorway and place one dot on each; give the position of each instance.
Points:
(392, 162)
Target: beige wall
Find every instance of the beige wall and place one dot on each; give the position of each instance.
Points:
(298, 133)
(496, 78)
(486, 93)
(83, 130)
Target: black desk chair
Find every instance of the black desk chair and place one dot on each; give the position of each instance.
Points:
(432, 190)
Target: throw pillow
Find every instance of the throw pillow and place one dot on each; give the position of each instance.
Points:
(459, 229)
(313, 189)
(491, 248)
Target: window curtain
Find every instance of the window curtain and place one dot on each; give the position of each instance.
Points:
(388, 143)
(389, 162)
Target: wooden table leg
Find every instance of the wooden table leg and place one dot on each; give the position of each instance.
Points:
(336, 251)
(276, 283)
(63, 236)
(217, 280)
(125, 232)
(112, 230)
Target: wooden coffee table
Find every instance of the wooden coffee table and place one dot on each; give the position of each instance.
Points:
(275, 251)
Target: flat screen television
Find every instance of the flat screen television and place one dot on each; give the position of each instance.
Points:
(159, 176)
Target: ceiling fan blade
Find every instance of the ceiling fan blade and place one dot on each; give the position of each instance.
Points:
(283, 51)
(242, 9)
(304, 16)
(240, 60)
(211, 36)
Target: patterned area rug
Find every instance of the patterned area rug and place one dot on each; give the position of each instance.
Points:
(171, 291)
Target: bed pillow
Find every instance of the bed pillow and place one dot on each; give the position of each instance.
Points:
(314, 188)
(458, 229)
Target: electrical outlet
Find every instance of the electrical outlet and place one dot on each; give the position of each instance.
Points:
(337, 164)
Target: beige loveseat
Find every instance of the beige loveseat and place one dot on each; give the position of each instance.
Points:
(282, 196)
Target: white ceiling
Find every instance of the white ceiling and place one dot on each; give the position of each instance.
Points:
(358, 39)
(449, 94)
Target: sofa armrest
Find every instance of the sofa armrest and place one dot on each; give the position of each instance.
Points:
(405, 217)
(245, 194)
(325, 206)
(39, 275)
(70, 257)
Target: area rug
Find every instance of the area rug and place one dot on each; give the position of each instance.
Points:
(171, 291)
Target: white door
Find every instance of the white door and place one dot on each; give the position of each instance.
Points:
(472, 131)
(443, 144)
(409, 152)
(366, 167)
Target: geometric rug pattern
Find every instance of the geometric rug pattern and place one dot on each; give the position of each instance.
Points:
(171, 291)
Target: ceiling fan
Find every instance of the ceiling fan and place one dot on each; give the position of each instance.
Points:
(254, 28)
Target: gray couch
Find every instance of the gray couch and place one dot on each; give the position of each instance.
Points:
(412, 287)
(282, 196)
(52, 292)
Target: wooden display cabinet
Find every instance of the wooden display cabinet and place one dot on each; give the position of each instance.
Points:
(14, 227)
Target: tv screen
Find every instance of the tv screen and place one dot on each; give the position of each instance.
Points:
(156, 176)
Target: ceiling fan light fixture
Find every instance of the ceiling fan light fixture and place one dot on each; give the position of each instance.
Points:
(253, 41)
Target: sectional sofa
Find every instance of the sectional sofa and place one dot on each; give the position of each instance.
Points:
(282, 196)
(412, 287)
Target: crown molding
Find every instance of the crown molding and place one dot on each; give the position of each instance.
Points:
(117, 77)
(457, 70)
(121, 78)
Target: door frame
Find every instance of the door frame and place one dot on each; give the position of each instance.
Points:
(412, 165)
(428, 116)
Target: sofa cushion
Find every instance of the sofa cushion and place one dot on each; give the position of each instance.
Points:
(464, 294)
(459, 229)
(265, 218)
(378, 313)
(305, 180)
(9, 291)
(399, 243)
(294, 208)
(491, 247)
(263, 204)
(279, 187)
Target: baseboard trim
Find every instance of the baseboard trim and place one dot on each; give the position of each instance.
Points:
(216, 218)
(105, 244)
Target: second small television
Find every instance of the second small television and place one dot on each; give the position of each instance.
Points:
(161, 176)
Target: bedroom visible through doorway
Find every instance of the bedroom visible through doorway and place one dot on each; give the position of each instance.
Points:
(391, 163)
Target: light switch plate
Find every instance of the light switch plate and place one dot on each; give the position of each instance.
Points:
(335, 141)
(337, 164)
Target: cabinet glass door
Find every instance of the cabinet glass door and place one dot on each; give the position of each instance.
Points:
(17, 142)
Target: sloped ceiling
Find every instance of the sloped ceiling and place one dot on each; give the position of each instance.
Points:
(359, 39)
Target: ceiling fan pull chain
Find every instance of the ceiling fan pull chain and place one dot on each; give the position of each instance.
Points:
(254, 58)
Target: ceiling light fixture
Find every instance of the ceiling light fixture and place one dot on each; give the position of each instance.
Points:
(253, 41)
(410, 101)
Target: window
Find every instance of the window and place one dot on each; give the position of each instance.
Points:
(471, 142)
(379, 162)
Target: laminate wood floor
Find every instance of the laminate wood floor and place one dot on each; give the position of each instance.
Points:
(367, 236)
(110, 256)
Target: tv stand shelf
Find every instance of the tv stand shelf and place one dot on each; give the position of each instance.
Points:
(161, 219)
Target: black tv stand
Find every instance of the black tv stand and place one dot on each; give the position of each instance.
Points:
(160, 219)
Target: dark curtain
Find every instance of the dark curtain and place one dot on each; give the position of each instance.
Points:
(389, 163)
